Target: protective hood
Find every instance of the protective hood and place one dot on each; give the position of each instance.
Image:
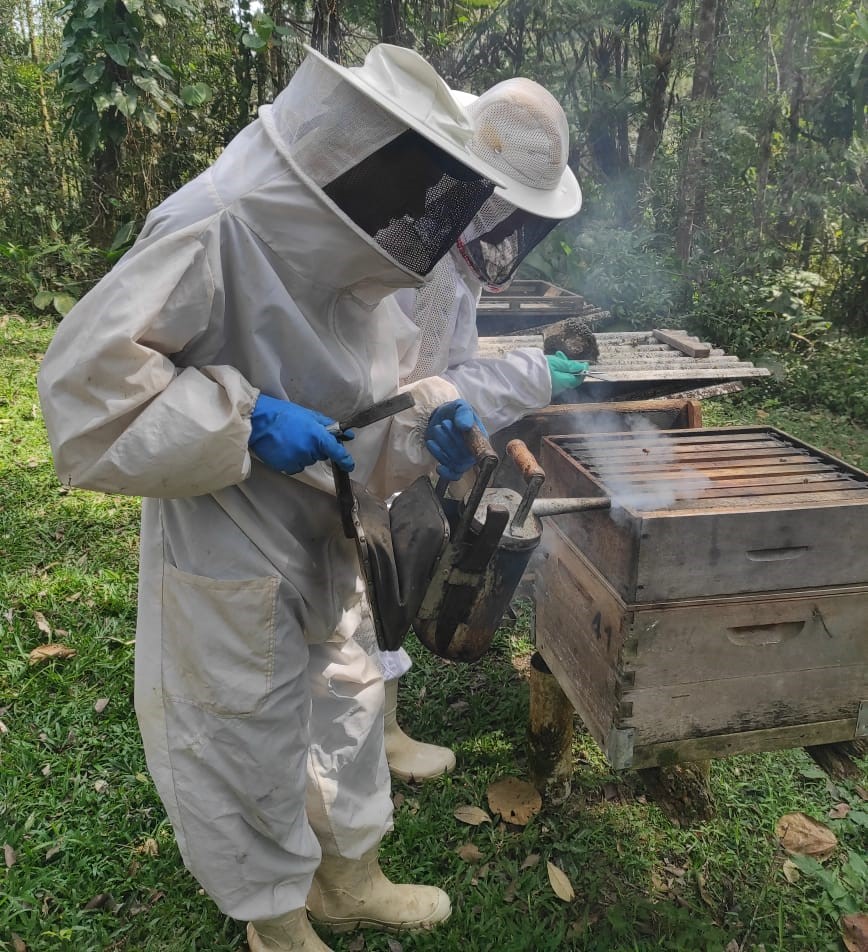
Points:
(394, 185)
(521, 129)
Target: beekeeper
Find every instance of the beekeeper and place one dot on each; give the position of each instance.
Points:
(201, 373)
(522, 131)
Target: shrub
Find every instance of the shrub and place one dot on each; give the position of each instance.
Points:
(615, 268)
(50, 275)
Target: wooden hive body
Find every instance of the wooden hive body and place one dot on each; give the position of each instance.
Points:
(725, 624)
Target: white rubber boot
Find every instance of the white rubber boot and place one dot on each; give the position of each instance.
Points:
(355, 894)
(411, 759)
(290, 932)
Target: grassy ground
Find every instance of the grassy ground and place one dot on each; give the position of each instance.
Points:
(90, 862)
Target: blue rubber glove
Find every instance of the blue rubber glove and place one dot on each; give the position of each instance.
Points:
(445, 441)
(566, 374)
(289, 438)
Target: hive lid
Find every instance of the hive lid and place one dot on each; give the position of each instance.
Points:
(671, 472)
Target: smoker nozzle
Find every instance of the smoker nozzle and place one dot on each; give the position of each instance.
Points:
(556, 507)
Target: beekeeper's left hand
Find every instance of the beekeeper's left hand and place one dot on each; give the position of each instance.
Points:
(445, 437)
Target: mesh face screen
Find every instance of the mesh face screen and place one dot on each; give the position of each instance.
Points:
(496, 254)
(412, 198)
(434, 316)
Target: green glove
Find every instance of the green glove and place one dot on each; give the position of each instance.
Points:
(566, 374)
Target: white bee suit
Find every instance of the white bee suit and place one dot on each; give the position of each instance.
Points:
(500, 389)
(261, 716)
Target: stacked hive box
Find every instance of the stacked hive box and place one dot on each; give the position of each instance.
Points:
(720, 607)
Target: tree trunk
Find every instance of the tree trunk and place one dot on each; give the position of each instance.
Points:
(279, 70)
(763, 164)
(326, 31)
(104, 187)
(43, 102)
(651, 130)
(389, 21)
(243, 66)
(692, 192)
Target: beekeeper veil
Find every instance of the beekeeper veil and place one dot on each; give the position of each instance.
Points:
(521, 130)
(388, 145)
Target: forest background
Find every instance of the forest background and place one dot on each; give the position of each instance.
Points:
(722, 146)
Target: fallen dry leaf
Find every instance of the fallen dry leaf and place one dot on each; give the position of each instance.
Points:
(791, 871)
(42, 623)
(517, 801)
(395, 946)
(149, 847)
(357, 945)
(855, 932)
(44, 652)
(469, 852)
(397, 800)
(61, 633)
(9, 855)
(531, 860)
(839, 811)
(3, 728)
(658, 884)
(101, 705)
(802, 835)
(100, 786)
(52, 851)
(18, 944)
(701, 884)
(733, 946)
(863, 793)
(560, 883)
(46, 770)
(471, 815)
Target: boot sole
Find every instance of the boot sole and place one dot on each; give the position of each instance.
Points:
(348, 925)
(343, 925)
(409, 777)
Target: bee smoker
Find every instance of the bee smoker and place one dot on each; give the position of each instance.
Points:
(495, 535)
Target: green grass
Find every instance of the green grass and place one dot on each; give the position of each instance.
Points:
(96, 866)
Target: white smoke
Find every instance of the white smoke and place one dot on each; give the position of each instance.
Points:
(634, 490)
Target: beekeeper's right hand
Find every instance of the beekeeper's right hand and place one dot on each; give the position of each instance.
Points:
(289, 438)
(566, 374)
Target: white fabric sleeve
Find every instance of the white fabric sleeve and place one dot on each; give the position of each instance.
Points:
(500, 389)
(504, 389)
(405, 455)
(121, 417)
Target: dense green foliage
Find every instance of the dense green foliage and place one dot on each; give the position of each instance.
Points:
(722, 147)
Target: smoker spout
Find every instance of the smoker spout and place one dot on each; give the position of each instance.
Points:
(556, 507)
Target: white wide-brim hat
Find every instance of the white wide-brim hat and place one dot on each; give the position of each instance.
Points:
(407, 86)
(551, 192)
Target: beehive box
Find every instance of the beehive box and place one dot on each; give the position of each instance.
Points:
(720, 607)
(529, 304)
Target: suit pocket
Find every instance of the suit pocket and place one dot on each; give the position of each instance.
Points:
(218, 640)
